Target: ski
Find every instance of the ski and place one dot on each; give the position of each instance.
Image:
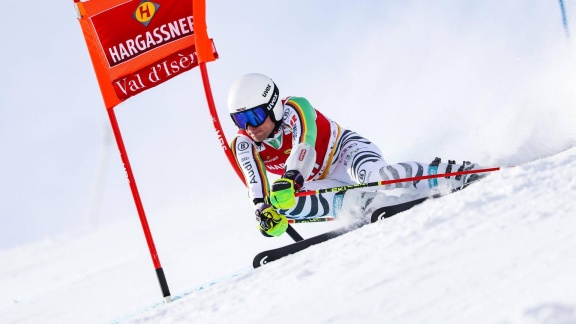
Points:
(265, 257)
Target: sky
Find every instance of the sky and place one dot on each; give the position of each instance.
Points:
(490, 82)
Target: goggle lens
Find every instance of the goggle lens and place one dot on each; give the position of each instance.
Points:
(253, 117)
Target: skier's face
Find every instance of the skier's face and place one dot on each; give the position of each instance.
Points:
(260, 133)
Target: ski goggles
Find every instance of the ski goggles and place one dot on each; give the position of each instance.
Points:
(253, 117)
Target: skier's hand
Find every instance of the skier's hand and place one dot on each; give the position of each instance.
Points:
(283, 191)
(269, 221)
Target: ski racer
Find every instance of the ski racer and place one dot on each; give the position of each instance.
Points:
(306, 150)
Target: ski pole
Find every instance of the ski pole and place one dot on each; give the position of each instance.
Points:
(296, 237)
(311, 220)
(293, 234)
(387, 182)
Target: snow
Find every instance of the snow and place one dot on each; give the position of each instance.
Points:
(489, 82)
(500, 251)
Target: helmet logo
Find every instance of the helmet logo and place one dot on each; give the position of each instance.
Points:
(145, 12)
(265, 93)
(272, 102)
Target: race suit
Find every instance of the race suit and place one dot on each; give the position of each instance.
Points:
(326, 154)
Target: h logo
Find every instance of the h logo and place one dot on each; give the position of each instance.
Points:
(145, 12)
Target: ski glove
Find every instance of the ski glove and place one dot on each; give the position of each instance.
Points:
(269, 221)
(283, 191)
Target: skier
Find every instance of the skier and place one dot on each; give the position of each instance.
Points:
(289, 138)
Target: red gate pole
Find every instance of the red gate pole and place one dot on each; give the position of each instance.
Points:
(216, 121)
(139, 206)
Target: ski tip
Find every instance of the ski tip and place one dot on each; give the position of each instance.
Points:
(379, 214)
(389, 211)
(260, 260)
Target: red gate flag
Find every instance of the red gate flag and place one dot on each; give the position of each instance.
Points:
(138, 44)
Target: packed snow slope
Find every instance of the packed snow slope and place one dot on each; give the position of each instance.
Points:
(500, 251)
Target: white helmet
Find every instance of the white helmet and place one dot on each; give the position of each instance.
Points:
(255, 91)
